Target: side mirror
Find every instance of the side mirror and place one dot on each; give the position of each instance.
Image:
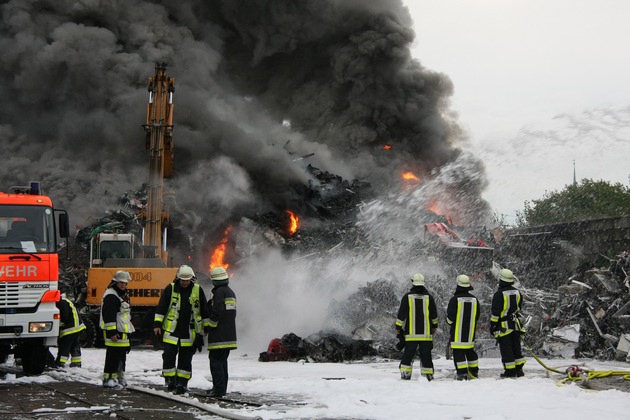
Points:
(64, 225)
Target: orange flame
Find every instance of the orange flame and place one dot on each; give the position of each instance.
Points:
(387, 147)
(294, 222)
(410, 176)
(219, 252)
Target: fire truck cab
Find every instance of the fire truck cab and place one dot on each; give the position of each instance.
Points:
(29, 275)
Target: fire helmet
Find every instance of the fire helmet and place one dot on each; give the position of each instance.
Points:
(506, 275)
(463, 280)
(218, 274)
(122, 276)
(185, 272)
(417, 279)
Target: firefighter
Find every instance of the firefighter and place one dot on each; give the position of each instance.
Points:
(180, 316)
(506, 326)
(222, 335)
(116, 325)
(70, 327)
(417, 320)
(462, 314)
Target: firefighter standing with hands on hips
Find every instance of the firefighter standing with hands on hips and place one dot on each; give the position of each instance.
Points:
(506, 325)
(181, 316)
(116, 325)
(417, 319)
(222, 335)
(462, 314)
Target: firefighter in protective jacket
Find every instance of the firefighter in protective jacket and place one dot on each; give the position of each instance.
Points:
(222, 335)
(70, 326)
(116, 325)
(462, 314)
(506, 326)
(181, 316)
(417, 319)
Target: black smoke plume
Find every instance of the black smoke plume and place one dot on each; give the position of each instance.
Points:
(257, 84)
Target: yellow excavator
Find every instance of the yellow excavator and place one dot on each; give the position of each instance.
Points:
(145, 257)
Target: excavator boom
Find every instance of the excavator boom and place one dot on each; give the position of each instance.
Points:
(159, 143)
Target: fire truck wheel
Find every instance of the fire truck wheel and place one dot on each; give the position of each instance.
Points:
(33, 358)
(87, 337)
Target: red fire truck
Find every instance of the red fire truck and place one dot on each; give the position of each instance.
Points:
(29, 275)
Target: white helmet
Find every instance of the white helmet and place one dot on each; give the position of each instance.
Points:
(122, 277)
(417, 279)
(506, 275)
(463, 280)
(185, 273)
(218, 274)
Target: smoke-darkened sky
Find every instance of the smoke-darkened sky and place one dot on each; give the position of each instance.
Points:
(257, 84)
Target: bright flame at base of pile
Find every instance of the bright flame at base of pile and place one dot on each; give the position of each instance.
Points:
(293, 226)
(218, 256)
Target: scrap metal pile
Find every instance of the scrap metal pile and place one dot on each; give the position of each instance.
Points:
(586, 316)
(576, 307)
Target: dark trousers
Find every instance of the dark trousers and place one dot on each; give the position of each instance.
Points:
(115, 361)
(75, 351)
(184, 362)
(424, 349)
(65, 345)
(219, 369)
(466, 360)
(511, 353)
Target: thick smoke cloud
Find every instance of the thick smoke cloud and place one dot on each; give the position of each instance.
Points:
(257, 84)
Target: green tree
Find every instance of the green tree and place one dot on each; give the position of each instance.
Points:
(587, 200)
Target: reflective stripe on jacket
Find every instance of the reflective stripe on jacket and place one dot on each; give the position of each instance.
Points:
(506, 307)
(417, 315)
(170, 321)
(70, 322)
(222, 322)
(116, 316)
(462, 315)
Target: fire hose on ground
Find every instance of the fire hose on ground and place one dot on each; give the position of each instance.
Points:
(575, 373)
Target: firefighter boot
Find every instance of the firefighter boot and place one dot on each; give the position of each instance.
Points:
(509, 373)
(121, 380)
(462, 377)
(519, 371)
(181, 387)
(429, 377)
(109, 382)
(170, 383)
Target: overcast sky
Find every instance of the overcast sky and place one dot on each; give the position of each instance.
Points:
(517, 63)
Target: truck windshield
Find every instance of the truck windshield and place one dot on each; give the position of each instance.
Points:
(29, 228)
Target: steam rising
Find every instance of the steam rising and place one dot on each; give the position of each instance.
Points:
(337, 72)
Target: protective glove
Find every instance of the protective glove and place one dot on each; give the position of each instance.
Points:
(401, 341)
(199, 343)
